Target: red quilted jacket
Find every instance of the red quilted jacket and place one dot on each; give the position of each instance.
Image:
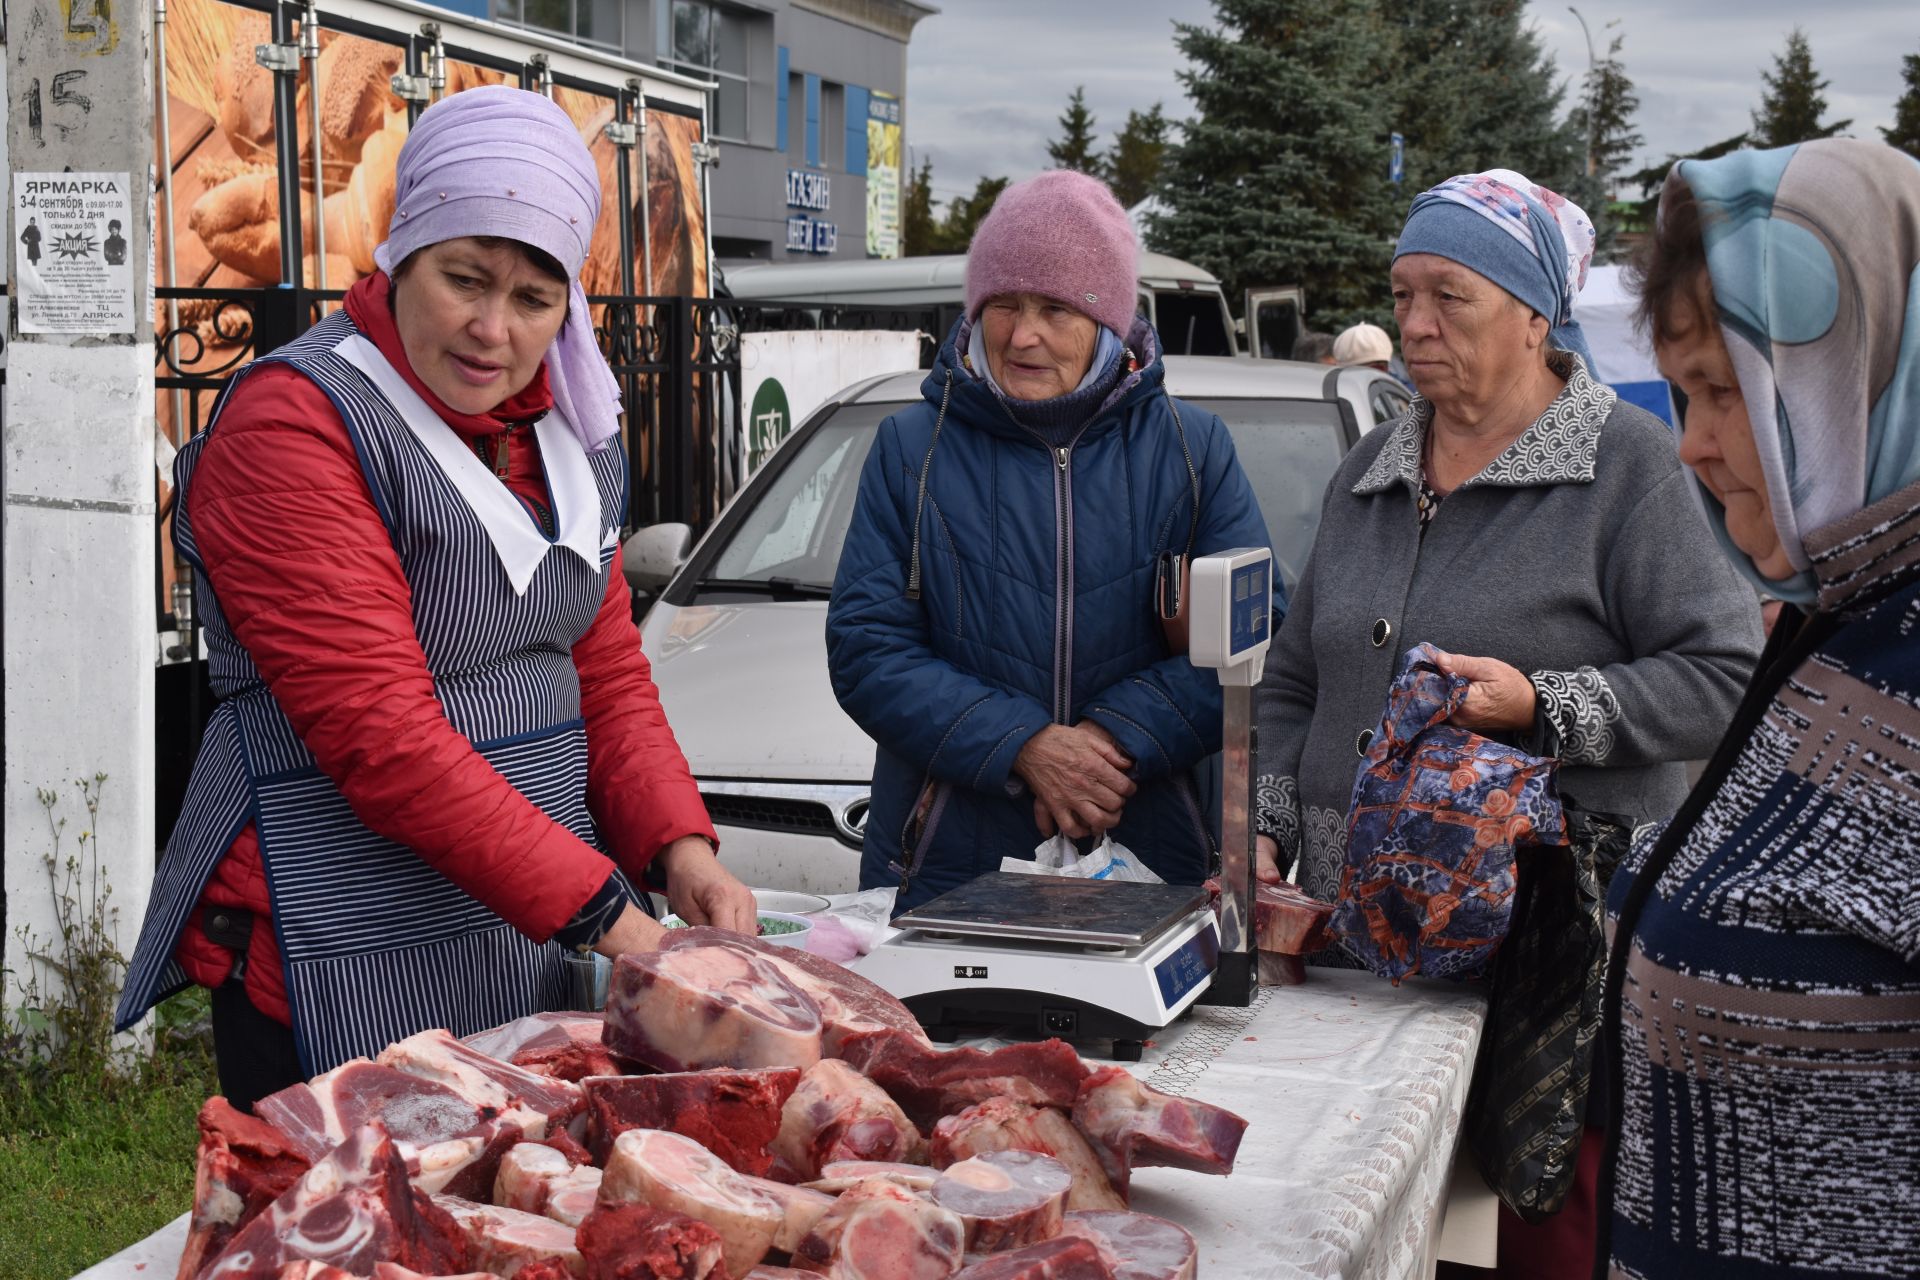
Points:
(308, 579)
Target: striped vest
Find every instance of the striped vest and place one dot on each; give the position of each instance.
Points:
(377, 944)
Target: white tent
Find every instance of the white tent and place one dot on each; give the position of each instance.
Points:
(1622, 357)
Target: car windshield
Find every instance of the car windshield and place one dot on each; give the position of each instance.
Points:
(793, 519)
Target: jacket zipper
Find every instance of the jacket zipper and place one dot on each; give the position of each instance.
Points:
(1063, 583)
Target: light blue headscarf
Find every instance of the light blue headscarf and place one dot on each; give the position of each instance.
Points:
(1534, 243)
(1814, 255)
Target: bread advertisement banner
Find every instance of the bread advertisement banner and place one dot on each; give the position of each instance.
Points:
(225, 216)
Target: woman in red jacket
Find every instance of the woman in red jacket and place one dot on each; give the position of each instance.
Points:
(439, 761)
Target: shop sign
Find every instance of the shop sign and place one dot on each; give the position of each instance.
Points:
(808, 189)
(810, 235)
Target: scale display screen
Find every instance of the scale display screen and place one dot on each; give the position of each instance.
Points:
(1188, 967)
(1250, 607)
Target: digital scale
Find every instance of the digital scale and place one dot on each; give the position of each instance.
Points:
(1101, 959)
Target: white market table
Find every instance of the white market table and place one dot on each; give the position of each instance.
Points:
(1354, 1091)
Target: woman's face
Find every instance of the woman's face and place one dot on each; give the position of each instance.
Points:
(1464, 338)
(1718, 441)
(1037, 348)
(476, 320)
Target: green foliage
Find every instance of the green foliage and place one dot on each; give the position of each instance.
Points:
(1653, 177)
(1609, 136)
(1794, 100)
(97, 1138)
(1075, 148)
(918, 231)
(1905, 133)
(1280, 177)
(964, 215)
(1133, 164)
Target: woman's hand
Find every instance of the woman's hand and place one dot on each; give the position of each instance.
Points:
(635, 930)
(1266, 860)
(1499, 697)
(1078, 778)
(701, 891)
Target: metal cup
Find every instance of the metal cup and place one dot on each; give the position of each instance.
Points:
(588, 976)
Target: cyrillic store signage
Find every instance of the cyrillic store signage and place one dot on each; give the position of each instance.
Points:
(808, 189)
(811, 235)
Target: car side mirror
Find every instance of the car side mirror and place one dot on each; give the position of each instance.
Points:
(654, 554)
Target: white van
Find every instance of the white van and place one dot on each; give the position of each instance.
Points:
(1184, 302)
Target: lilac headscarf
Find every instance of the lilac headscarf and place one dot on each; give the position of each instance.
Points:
(504, 162)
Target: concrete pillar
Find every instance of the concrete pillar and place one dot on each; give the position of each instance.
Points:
(78, 466)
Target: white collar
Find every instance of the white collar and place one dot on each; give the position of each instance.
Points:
(521, 547)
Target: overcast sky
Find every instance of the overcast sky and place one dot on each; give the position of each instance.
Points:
(988, 79)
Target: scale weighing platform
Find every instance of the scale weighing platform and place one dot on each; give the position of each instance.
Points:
(1078, 959)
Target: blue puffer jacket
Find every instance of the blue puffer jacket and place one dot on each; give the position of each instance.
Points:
(1037, 571)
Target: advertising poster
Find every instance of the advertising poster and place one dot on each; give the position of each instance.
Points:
(786, 376)
(70, 268)
(883, 176)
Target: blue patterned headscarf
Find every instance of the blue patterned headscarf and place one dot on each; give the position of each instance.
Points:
(1534, 243)
(1814, 256)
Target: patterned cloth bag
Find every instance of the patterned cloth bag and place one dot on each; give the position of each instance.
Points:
(1437, 814)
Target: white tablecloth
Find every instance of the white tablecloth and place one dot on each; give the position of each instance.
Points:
(1354, 1091)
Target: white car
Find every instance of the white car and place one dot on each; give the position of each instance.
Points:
(737, 633)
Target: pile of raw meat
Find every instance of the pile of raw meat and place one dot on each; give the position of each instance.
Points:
(742, 1110)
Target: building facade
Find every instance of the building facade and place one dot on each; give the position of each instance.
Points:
(809, 114)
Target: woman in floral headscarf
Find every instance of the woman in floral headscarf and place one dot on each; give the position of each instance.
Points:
(1533, 527)
(1765, 983)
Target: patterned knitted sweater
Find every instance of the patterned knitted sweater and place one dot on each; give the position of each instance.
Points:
(1767, 994)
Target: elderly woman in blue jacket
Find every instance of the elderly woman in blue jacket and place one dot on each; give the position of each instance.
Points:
(993, 625)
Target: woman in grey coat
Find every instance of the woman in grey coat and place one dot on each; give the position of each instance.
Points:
(1522, 519)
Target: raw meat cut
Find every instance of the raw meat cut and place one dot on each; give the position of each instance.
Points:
(1132, 1127)
(929, 1083)
(464, 1166)
(502, 1240)
(1289, 921)
(842, 1174)
(687, 1008)
(318, 1115)
(244, 1164)
(394, 1271)
(566, 1144)
(437, 1055)
(313, 1271)
(544, 1269)
(1277, 970)
(567, 1046)
(353, 1209)
(669, 1171)
(534, 1178)
(779, 1273)
(1068, 1258)
(838, 1114)
(1007, 1199)
(734, 1114)
(881, 1231)
(637, 1242)
(849, 1004)
(1003, 1124)
(802, 1207)
(1144, 1247)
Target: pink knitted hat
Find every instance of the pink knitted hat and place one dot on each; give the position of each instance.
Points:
(1061, 235)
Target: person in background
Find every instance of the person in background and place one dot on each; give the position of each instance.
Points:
(1764, 994)
(1536, 529)
(1364, 344)
(438, 763)
(1314, 348)
(995, 624)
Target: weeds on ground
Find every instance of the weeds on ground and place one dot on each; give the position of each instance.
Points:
(97, 1134)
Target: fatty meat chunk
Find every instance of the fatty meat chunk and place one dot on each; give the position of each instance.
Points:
(881, 1231)
(1007, 1199)
(689, 1008)
(1062, 1258)
(503, 1241)
(1002, 1124)
(669, 1172)
(1133, 1126)
(838, 1114)
(1142, 1246)
(243, 1165)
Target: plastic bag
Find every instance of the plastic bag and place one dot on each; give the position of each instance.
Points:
(852, 924)
(1060, 857)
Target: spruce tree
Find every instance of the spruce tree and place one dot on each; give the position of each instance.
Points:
(1075, 149)
(965, 213)
(917, 229)
(1794, 100)
(1609, 137)
(1281, 176)
(1905, 133)
(1133, 164)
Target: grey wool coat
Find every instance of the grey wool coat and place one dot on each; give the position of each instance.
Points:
(1578, 556)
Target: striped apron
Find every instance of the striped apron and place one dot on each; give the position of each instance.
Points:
(376, 944)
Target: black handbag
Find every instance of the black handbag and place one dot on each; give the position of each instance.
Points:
(1527, 1109)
